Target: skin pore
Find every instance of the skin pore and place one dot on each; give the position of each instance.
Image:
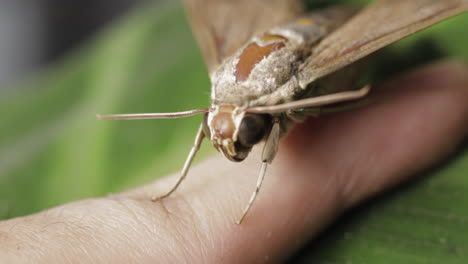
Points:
(324, 166)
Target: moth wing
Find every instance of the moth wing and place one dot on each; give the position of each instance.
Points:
(380, 24)
(222, 26)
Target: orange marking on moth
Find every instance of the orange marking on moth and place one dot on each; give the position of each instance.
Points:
(254, 53)
(305, 21)
(269, 38)
(222, 122)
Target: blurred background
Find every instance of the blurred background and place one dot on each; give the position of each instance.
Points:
(38, 32)
(63, 61)
(57, 60)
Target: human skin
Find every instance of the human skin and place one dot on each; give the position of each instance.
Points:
(324, 166)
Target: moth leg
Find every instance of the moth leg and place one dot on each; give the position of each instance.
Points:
(269, 152)
(196, 146)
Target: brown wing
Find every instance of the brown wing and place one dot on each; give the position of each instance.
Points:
(378, 25)
(222, 26)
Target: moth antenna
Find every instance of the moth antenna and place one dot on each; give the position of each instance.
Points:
(153, 115)
(311, 101)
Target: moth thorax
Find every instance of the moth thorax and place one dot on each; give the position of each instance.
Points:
(255, 52)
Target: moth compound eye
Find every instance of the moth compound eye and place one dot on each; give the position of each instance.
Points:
(253, 128)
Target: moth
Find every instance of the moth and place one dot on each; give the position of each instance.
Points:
(271, 65)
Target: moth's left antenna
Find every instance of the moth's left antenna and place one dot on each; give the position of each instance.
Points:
(153, 115)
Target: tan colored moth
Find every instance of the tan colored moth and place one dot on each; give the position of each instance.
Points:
(270, 65)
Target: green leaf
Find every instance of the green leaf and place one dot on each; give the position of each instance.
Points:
(54, 150)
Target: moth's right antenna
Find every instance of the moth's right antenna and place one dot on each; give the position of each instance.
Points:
(153, 115)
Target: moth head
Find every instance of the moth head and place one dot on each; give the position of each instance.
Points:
(234, 132)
